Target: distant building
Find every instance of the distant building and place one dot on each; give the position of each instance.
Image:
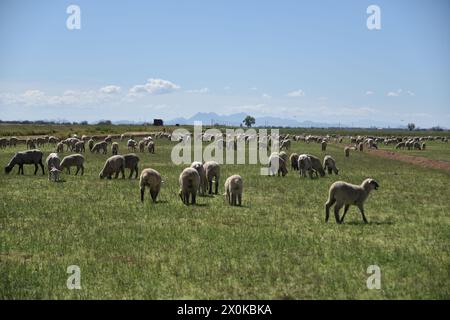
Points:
(158, 122)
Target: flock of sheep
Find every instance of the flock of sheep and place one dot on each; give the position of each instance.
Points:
(199, 177)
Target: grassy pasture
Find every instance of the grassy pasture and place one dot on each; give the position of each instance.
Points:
(276, 246)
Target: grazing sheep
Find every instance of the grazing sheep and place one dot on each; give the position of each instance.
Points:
(212, 171)
(324, 145)
(53, 161)
(31, 144)
(100, 146)
(286, 144)
(347, 152)
(203, 186)
(294, 161)
(346, 194)
(26, 157)
(400, 145)
(108, 139)
(115, 148)
(132, 163)
(305, 165)
(131, 144)
(361, 147)
(329, 164)
(91, 143)
(233, 188)
(317, 165)
(13, 141)
(60, 147)
(141, 146)
(283, 155)
(3, 143)
(53, 174)
(79, 146)
(416, 146)
(151, 147)
(189, 181)
(73, 160)
(113, 165)
(424, 145)
(277, 165)
(152, 179)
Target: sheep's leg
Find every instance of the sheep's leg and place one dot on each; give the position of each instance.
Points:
(239, 197)
(123, 172)
(233, 199)
(78, 169)
(217, 185)
(42, 167)
(136, 170)
(116, 174)
(193, 197)
(345, 212)
(131, 173)
(210, 186)
(142, 194)
(35, 168)
(337, 208)
(153, 194)
(361, 208)
(82, 170)
(328, 205)
(228, 197)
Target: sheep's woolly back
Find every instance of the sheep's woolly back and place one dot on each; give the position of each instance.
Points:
(150, 178)
(189, 179)
(234, 184)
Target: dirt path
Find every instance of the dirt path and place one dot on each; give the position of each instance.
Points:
(421, 161)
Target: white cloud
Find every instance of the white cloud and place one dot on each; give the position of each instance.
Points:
(395, 93)
(199, 91)
(112, 89)
(297, 93)
(254, 88)
(412, 94)
(369, 93)
(154, 86)
(266, 96)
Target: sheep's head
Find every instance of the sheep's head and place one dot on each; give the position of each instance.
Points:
(8, 169)
(370, 184)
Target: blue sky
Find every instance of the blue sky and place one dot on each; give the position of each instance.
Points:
(305, 60)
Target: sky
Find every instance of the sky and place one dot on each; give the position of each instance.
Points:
(303, 60)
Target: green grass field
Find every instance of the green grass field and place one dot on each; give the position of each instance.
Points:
(435, 150)
(276, 246)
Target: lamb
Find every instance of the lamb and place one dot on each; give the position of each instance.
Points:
(113, 165)
(324, 145)
(294, 161)
(26, 157)
(317, 165)
(330, 164)
(60, 147)
(189, 181)
(151, 147)
(347, 152)
(53, 174)
(141, 146)
(277, 165)
(115, 148)
(152, 179)
(212, 171)
(100, 146)
(53, 161)
(305, 165)
(73, 160)
(233, 188)
(203, 186)
(132, 162)
(346, 194)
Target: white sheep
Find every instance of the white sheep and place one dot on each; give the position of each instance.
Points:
(54, 174)
(152, 179)
(113, 165)
(132, 163)
(189, 181)
(346, 194)
(305, 165)
(73, 160)
(151, 147)
(103, 145)
(212, 171)
(53, 161)
(203, 186)
(277, 165)
(234, 187)
(329, 164)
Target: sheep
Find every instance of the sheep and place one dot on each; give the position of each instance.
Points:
(53, 161)
(361, 147)
(131, 144)
(113, 165)
(26, 157)
(13, 141)
(132, 163)
(115, 148)
(41, 141)
(189, 181)
(424, 145)
(91, 143)
(329, 164)
(3, 142)
(277, 165)
(151, 147)
(347, 152)
(73, 160)
(294, 161)
(60, 147)
(212, 171)
(203, 186)
(53, 140)
(324, 145)
(305, 165)
(141, 146)
(152, 179)
(286, 144)
(53, 174)
(400, 145)
(108, 139)
(283, 155)
(317, 165)
(416, 146)
(233, 188)
(79, 146)
(346, 194)
(31, 144)
(100, 146)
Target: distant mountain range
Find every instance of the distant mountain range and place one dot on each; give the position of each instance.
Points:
(209, 118)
